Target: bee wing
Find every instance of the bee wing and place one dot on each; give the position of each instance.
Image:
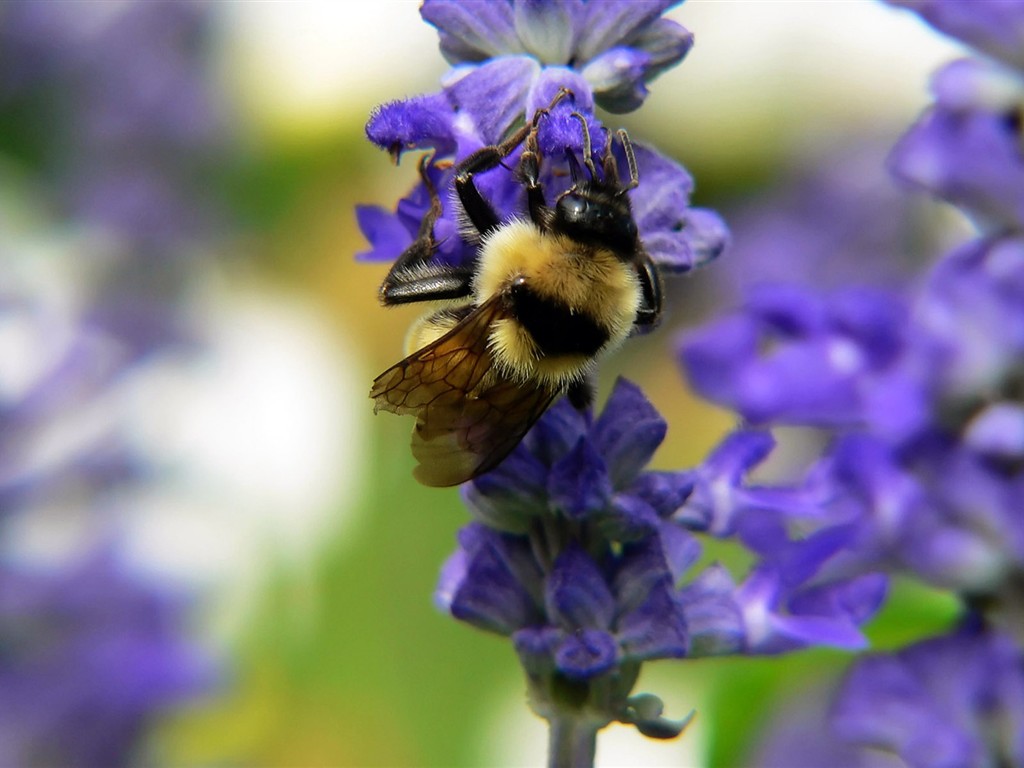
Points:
(468, 416)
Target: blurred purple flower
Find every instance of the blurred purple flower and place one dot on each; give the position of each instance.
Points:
(947, 516)
(132, 120)
(946, 702)
(791, 355)
(59, 443)
(88, 657)
(828, 219)
(119, 130)
(916, 395)
(967, 148)
(900, 365)
(994, 27)
(923, 396)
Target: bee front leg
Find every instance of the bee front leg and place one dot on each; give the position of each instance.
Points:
(529, 174)
(481, 214)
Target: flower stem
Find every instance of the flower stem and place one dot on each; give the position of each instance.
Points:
(572, 743)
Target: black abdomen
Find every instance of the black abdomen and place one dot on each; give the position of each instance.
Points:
(556, 328)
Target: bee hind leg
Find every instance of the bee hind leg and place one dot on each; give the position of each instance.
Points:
(413, 276)
(581, 394)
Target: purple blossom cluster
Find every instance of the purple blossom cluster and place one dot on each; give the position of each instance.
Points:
(106, 113)
(129, 120)
(90, 656)
(917, 390)
(950, 701)
(573, 536)
(583, 559)
(111, 111)
(487, 95)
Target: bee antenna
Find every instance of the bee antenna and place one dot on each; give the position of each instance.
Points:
(627, 147)
(588, 149)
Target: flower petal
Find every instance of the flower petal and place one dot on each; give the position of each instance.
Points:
(578, 485)
(546, 29)
(617, 78)
(666, 42)
(419, 122)
(576, 593)
(490, 99)
(611, 22)
(627, 433)
(490, 594)
(586, 654)
(472, 32)
(656, 629)
(387, 235)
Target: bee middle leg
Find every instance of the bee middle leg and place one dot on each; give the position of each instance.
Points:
(649, 312)
(414, 277)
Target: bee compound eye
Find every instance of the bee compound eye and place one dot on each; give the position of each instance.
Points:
(573, 208)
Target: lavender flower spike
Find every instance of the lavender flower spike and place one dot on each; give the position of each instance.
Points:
(579, 556)
(582, 613)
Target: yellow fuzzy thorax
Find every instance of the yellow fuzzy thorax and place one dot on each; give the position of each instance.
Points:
(587, 280)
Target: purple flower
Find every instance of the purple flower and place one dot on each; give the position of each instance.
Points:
(828, 219)
(616, 46)
(722, 504)
(966, 148)
(577, 560)
(923, 397)
(58, 441)
(866, 358)
(946, 515)
(577, 618)
(542, 572)
(679, 238)
(946, 702)
(134, 123)
(793, 356)
(133, 133)
(88, 656)
(994, 27)
(585, 472)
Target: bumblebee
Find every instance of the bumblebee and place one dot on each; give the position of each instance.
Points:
(545, 297)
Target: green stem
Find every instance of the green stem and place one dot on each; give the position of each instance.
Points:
(572, 743)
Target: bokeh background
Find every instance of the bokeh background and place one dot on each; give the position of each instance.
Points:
(211, 550)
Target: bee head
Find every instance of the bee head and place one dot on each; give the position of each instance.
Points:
(595, 210)
(595, 215)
